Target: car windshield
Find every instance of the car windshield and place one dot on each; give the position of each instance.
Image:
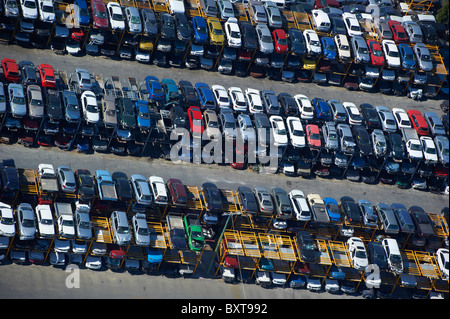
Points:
(143, 231)
(30, 4)
(377, 53)
(282, 41)
(426, 57)
(355, 28)
(230, 125)
(395, 259)
(217, 31)
(330, 47)
(37, 102)
(402, 35)
(92, 108)
(315, 136)
(135, 20)
(235, 34)
(266, 38)
(315, 43)
(144, 115)
(47, 9)
(7, 221)
(18, 100)
(361, 254)
(415, 147)
(393, 54)
(431, 150)
(100, 14)
(362, 50)
(298, 133)
(67, 223)
(123, 230)
(332, 136)
(390, 122)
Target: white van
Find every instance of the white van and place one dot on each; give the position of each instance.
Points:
(393, 255)
(321, 21)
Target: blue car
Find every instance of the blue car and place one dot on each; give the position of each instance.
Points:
(205, 96)
(81, 12)
(170, 90)
(154, 88)
(200, 30)
(322, 109)
(333, 210)
(358, 162)
(143, 117)
(407, 56)
(329, 48)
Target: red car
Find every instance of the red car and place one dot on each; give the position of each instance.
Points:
(76, 34)
(419, 123)
(313, 136)
(398, 32)
(99, 14)
(376, 53)
(280, 39)
(319, 4)
(47, 75)
(10, 70)
(196, 121)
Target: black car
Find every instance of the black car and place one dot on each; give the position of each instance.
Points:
(10, 177)
(159, 58)
(54, 105)
(126, 112)
(262, 126)
(350, 209)
(305, 244)
(429, 33)
(337, 25)
(377, 255)
(422, 222)
(296, 41)
(282, 203)
(188, 94)
(396, 148)
(184, 31)
(362, 139)
(212, 197)
(288, 104)
(149, 22)
(167, 26)
(85, 185)
(247, 199)
(28, 72)
(248, 35)
(123, 187)
(370, 116)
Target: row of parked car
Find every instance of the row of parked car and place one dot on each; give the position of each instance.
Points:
(263, 32)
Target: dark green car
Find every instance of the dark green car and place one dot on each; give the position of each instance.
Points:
(127, 116)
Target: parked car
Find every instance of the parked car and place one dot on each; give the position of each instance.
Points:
(387, 119)
(312, 42)
(350, 209)
(357, 252)
(376, 53)
(66, 179)
(264, 38)
(391, 53)
(99, 14)
(418, 122)
(360, 49)
(89, 107)
(282, 203)
(423, 57)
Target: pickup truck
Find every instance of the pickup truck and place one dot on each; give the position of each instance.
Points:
(318, 208)
(82, 221)
(64, 219)
(194, 233)
(176, 230)
(47, 178)
(105, 185)
(412, 143)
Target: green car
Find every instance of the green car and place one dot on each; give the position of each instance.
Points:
(126, 113)
(194, 233)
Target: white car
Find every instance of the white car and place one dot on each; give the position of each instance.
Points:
(78, 246)
(140, 229)
(221, 96)
(357, 253)
(429, 149)
(2, 98)
(401, 117)
(116, 18)
(158, 189)
(46, 11)
(176, 6)
(351, 24)
(45, 222)
(255, 103)
(7, 224)
(93, 262)
(312, 42)
(238, 101)
(414, 149)
(300, 205)
(279, 134)
(29, 9)
(233, 33)
(17, 100)
(245, 127)
(386, 118)
(391, 53)
(304, 106)
(354, 116)
(133, 20)
(90, 108)
(442, 260)
(296, 132)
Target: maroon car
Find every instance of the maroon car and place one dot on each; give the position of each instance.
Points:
(100, 15)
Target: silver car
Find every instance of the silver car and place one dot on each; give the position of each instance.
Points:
(330, 136)
(442, 148)
(423, 57)
(273, 14)
(387, 119)
(26, 222)
(66, 179)
(379, 142)
(17, 100)
(140, 229)
(360, 49)
(264, 199)
(258, 14)
(35, 101)
(264, 38)
(120, 228)
(71, 106)
(346, 138)
(133, 20)
(413, 30)
(225, 9)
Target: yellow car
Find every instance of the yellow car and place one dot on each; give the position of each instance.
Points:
(146, 44)
(309, 64)
(216, 35)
